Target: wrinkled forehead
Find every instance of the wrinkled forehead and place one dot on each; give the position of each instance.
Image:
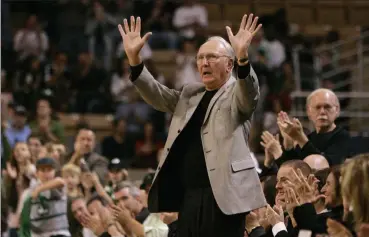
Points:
(284, 172)
(212, 46)
(323, 98)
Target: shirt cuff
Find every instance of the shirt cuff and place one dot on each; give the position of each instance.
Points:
(243, 71)
(136, 71)
(278, 228)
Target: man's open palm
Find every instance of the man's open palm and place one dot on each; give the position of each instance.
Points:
(242, 40)
(131, 36)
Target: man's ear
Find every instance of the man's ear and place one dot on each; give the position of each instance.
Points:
(230, 65)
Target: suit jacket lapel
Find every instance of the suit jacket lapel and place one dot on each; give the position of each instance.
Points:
(216, 97)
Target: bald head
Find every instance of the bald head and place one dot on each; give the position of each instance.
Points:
(317, 162)
(322, 92)
(322, 107)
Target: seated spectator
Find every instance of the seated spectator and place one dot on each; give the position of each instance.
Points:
(355, 172)
(329, 140)
(18, 130)
(190, 19)
(47, 206)
(58, 80)
(160, 24)
(144, 223)
(85, 157)
(71, 175)
(31, 40)
(19, 176)
(147, 149)
(117, 174)
(99, 29)
(186, 65)
(121, 87)
(89, 85)
(28, 81)
(34, 144)
(44, 125)
(121, 144)
(316, 162)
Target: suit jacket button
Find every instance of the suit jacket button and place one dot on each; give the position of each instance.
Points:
(168, 149)
(179, 130)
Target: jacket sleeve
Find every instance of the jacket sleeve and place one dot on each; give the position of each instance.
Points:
(157, 95)
(307, 219)
(246, 92)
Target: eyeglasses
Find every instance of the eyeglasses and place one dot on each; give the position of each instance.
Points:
(209, 58)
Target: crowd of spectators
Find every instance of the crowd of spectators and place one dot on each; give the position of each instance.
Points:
(67, 56)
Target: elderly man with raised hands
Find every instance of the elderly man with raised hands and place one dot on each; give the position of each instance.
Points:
(206, 173)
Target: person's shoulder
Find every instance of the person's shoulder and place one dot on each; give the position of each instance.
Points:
(192, 88)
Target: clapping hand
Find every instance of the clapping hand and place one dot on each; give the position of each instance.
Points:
(305, 188)
(132, 41)
(121, 214)
(293, 129)
(287, 140)
(271, 144)
(274, 215)
(94, 223)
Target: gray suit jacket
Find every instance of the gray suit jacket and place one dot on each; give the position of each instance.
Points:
(224, 134)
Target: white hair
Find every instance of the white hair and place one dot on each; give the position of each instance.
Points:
(227, 46)
(322, 90)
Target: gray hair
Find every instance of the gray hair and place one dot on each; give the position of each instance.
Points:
(322, 90)
(227, 46)
(132, 189)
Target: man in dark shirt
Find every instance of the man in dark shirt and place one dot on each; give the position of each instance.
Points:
(328, 139)
(207, 175)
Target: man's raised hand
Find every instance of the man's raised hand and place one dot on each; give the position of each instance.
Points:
(242, 40)
(132, 40)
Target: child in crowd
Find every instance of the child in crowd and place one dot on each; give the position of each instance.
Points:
(116, 175)
(71, 175)
(46, 207)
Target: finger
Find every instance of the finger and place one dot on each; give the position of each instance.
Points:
(293, 195)
(269, 136)
(243, 22)
(126, 27)
(277, 137)
(229, 32)
(257, 29)
(254, 22)
(263, 144)
(146, 37)
(297, 121)
(133, 24)
(249, 21)
(138, 25)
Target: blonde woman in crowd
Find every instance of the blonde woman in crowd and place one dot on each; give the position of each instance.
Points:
(355, 188)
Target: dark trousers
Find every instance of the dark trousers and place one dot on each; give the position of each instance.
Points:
(200, 216)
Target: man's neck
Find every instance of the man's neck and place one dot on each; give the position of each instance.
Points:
(325, 129)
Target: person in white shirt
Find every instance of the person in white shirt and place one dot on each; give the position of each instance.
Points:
(189, 18)
(31, 40)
